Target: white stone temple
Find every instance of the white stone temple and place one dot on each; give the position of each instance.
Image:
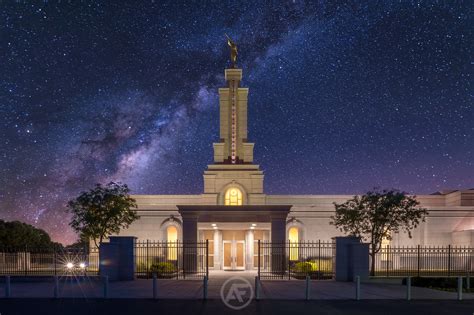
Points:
(233, 212)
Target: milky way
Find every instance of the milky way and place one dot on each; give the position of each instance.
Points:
(342, 98)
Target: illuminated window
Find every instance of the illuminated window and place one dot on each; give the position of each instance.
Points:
(293, 240)
(172, 238)
(233, 197)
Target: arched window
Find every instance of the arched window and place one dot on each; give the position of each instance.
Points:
(172, 239)
(293, 238)
(233, 197)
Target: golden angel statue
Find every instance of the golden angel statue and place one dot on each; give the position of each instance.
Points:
(233, 50)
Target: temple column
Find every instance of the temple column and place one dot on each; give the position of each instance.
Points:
(217, 249)
(249, 250)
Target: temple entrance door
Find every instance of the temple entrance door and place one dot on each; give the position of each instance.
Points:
(234, 255)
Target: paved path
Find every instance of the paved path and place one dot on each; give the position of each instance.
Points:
(273, 307)
(192, 289)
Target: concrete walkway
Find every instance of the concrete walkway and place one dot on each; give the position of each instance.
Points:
(192, 289)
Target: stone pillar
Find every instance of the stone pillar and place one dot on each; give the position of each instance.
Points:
(278, 254)
(117, 258)
(190, 231)
(352, 259)
(217, 249)
(249, 250)
(190, 234)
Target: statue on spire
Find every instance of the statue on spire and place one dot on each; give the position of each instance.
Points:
(233, 50)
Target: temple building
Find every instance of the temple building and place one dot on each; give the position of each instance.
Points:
(233, 212)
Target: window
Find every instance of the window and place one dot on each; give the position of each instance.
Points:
(172, 238)
(293, 238)
(233, 197)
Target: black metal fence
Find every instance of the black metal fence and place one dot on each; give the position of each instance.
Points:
(172, 260)
(46, 261)
(424, 261)
(295, 260)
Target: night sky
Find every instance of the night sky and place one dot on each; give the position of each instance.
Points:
(342, 97)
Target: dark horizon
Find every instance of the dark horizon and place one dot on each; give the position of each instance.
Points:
(342, 98)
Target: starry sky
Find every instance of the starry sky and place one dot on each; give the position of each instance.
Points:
(343, 97)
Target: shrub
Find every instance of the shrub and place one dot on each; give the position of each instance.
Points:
(305, 267)
(162, 268)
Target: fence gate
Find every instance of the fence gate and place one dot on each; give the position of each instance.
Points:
(172, 260)
(295, 260)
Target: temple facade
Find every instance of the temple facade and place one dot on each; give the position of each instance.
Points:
(233, 212)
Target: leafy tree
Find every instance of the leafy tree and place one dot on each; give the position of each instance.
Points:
(378, 215)
(102, 211)
(17, 234)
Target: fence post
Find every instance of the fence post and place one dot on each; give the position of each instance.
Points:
(319, 259)
(258, 258)
(147, 262)
(56, 287)
(357, 288)
(8, 291)
(387, 250)
(289, 249)
(204, 289)
(459, 288)
(449, 260)
(155, 287)
(106, 286)
(257, 288)
(184, 257)
(207, 258)
(24, 260)
(307, 292)
(418, 261)
(408, 288)
(55, 259)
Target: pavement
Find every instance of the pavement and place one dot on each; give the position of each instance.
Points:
(92, 288)
(274, 307)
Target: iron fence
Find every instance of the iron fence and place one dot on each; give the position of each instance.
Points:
(47, 261)
(172, 260)
(295, 260)
(424, 261)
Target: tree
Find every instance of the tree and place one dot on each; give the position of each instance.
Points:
(17, 234)
(378, 215)
(102, 211)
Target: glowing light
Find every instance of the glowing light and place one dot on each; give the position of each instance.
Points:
(213, 224)
(69, 265)
(82, 265)
(233, 197)
(254, 224)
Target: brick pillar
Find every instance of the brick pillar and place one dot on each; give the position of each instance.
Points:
(117, 258)
(190, 233)
(352, 259)
(278, 236)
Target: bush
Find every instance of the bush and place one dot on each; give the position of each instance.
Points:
(163, 268)
(305, 267)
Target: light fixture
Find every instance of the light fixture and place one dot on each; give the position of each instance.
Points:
(252, 227)
(254, 224)
(213, 224)
(215, 227)
(69, 265)
(82, 265)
